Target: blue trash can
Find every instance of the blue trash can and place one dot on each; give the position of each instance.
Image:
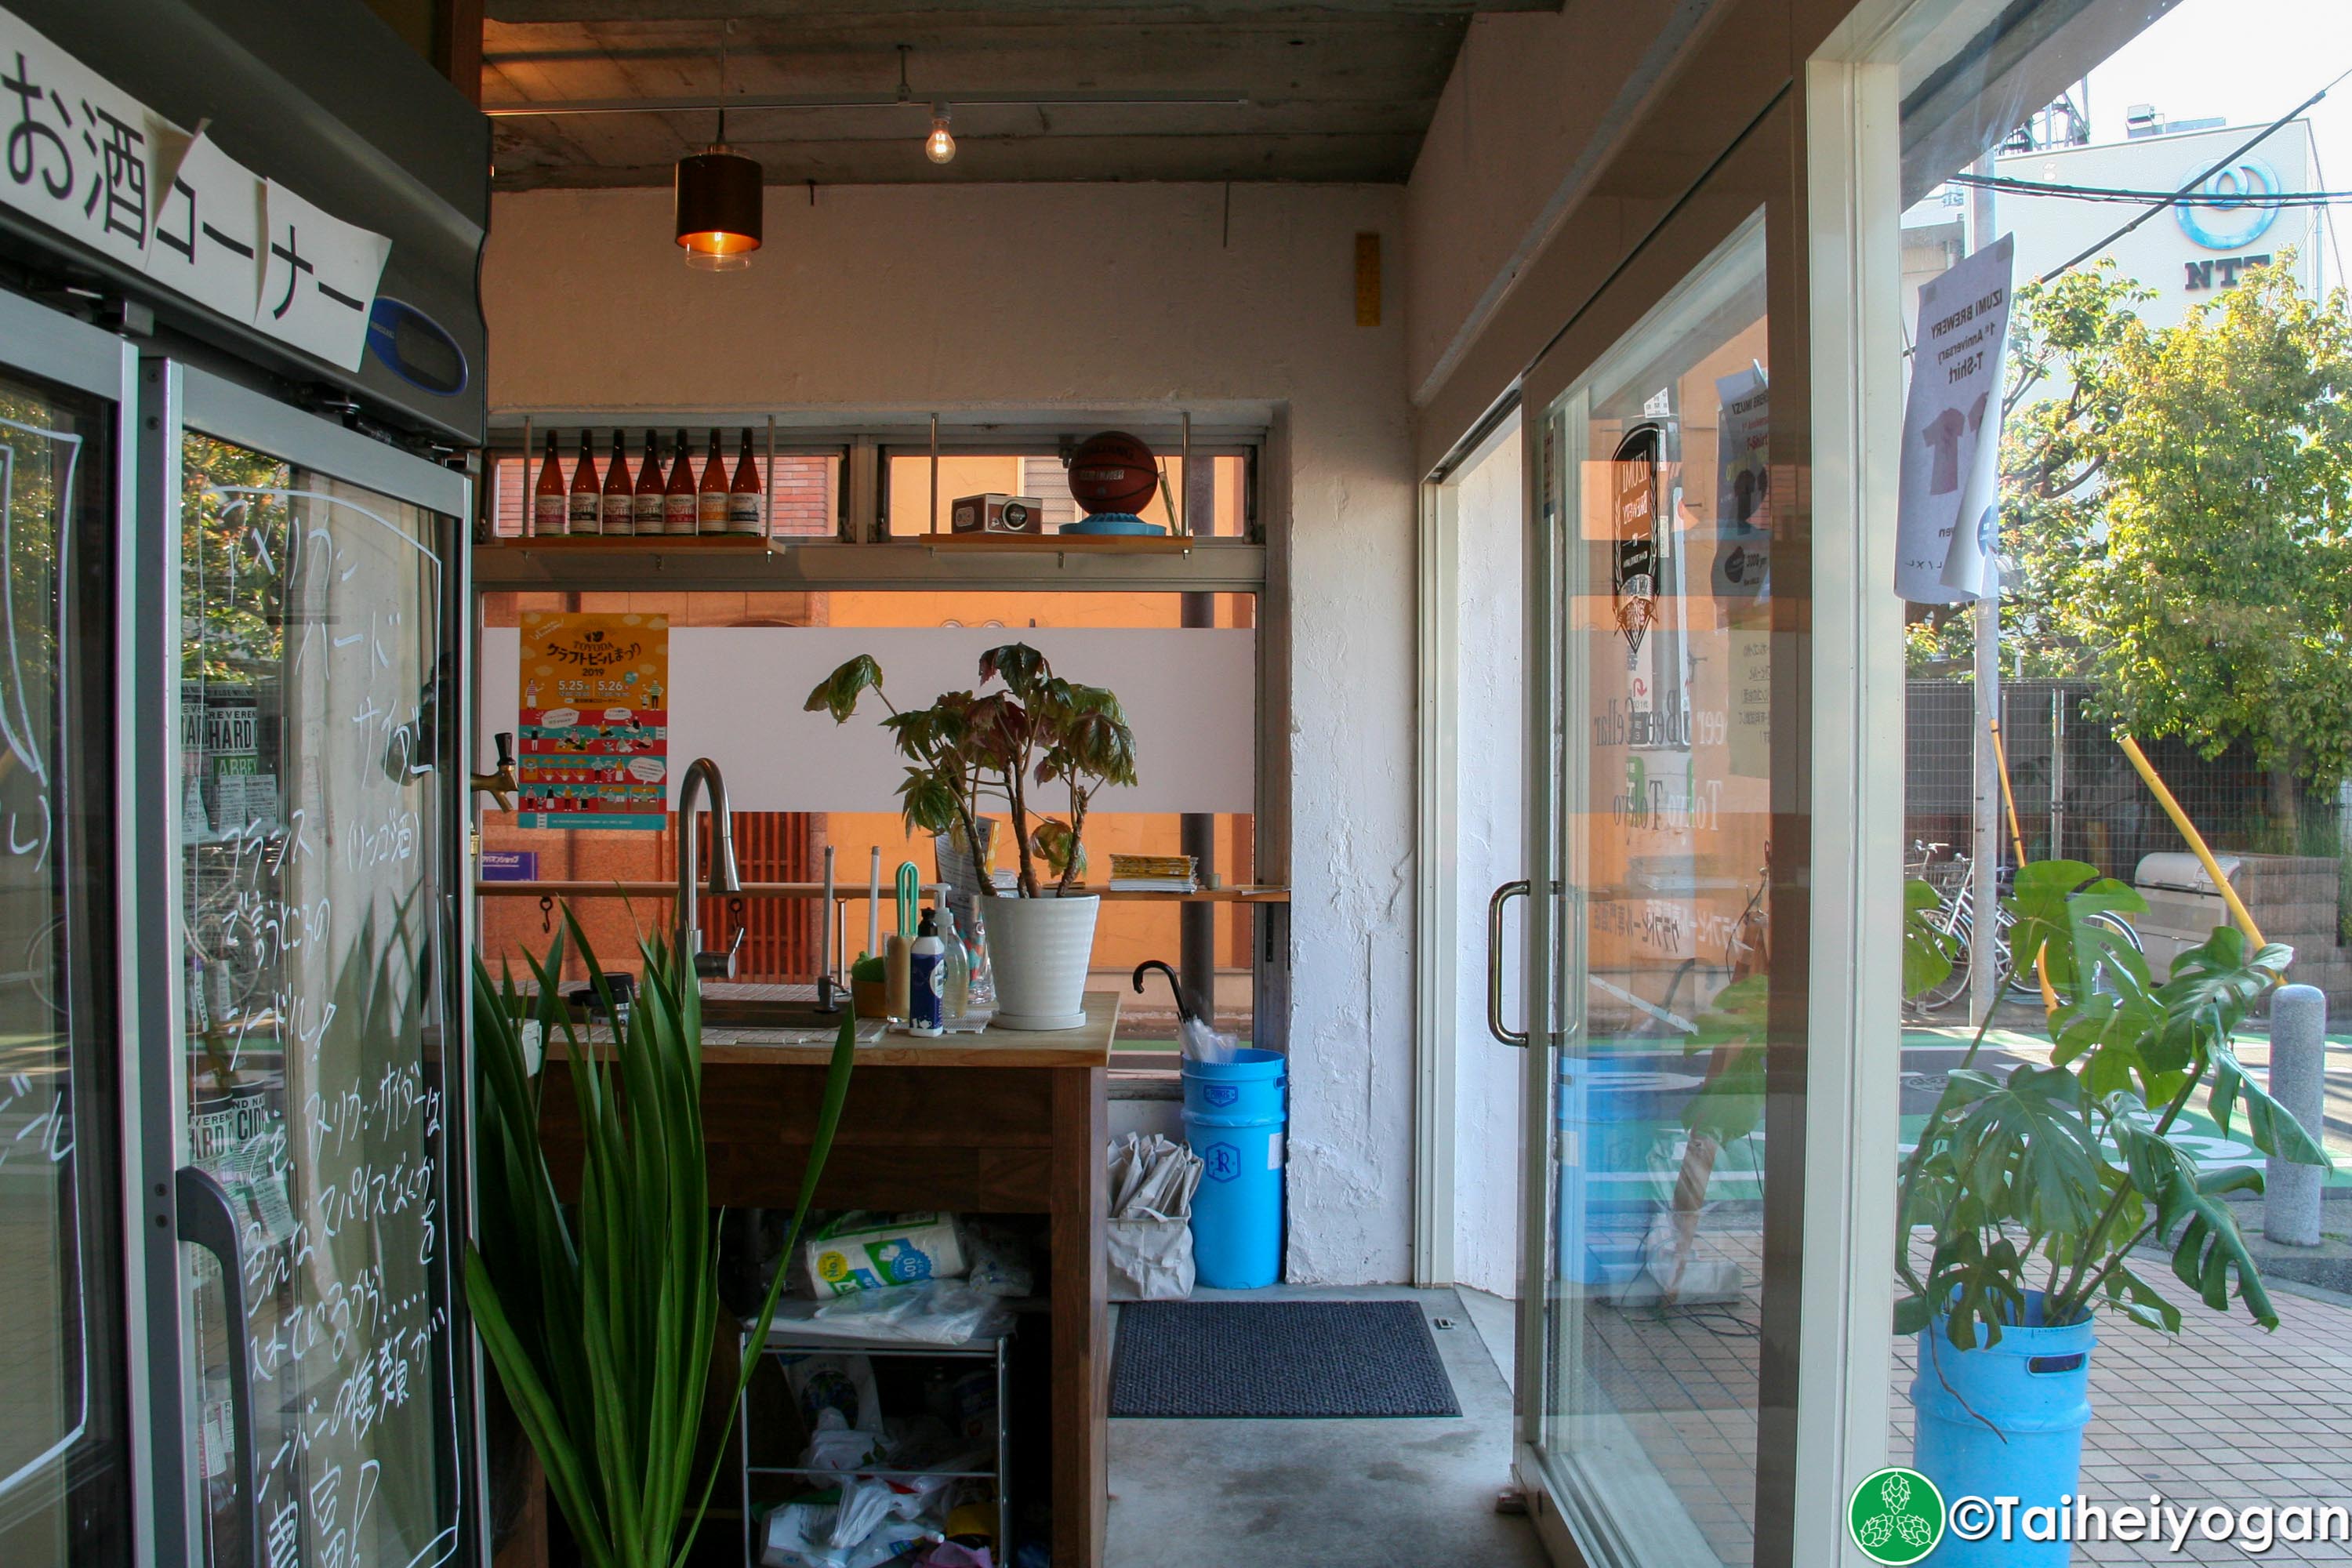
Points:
(2035, 1387)
(1234, 1119)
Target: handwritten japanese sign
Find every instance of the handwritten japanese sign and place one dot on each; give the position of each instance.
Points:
(594, 717)
(96, 164)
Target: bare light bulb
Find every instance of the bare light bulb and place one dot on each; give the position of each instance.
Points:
(939, 147)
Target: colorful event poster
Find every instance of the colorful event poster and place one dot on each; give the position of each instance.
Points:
(594, 717)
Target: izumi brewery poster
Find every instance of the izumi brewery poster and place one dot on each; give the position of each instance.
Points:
(594, 715)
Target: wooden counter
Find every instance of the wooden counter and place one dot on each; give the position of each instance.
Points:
(1000, 1123)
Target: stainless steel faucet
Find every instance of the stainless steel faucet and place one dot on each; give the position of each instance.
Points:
(723, 879)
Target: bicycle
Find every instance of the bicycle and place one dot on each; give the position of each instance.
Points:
(1953, 878)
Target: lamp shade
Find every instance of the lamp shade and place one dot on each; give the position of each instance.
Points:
(718, 204)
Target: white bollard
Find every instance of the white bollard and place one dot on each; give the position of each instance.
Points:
(2298, 1080)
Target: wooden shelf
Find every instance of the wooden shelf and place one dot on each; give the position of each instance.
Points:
(844, 893)
(638, 544)
(1065, 543)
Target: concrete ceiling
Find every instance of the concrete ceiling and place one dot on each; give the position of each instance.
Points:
(1341, 90)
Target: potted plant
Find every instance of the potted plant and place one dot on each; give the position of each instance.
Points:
(2030, 1193)
(599, 1319)
(1025, 728)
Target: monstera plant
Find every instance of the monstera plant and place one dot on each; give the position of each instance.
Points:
(2037, 1196)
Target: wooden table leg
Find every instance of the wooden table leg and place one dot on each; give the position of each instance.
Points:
(1081, 1401)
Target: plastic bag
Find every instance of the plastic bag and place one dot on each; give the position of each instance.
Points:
(799, 1535)
(1150, 1236)
(835, 1450)
(937, 1313)
(839, 1382)
(999, 1260)
(1202, 1042)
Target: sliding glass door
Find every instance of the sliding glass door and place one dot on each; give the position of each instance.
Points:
(66, 1461)
(316, 979)
(1652, 778)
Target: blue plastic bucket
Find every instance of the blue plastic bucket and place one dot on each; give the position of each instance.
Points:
(2035, 1387)
(1234, 1119)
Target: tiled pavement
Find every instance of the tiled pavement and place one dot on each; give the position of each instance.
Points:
(2222, 1414)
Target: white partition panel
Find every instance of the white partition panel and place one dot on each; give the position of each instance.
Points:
(736, 696)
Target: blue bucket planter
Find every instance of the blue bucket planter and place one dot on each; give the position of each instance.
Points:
(2035, 1387)
(1234, 1119)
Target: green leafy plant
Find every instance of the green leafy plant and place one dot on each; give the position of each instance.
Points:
(2051, 1178)
(600, 1323)
(1033, 728)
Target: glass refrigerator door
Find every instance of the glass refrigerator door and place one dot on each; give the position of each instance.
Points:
(65, 1468)
(316, 981)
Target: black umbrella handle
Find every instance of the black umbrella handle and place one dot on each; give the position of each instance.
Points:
(1183, 1010)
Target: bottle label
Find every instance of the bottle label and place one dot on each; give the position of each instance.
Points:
(743, 511)
(678, 514)
(710, 512)
(548, 515)
(649, 513)
(927, 989)
(620, 514)
(587, 514)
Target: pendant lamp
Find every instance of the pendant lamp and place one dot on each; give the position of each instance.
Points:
(718, 198)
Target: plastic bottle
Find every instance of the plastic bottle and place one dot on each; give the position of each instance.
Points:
(958, 969)
(927, 977)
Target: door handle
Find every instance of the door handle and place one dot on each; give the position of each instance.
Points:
(208, 1219)
(1503, 895)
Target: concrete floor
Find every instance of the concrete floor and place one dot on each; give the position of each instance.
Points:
(1332, 1494)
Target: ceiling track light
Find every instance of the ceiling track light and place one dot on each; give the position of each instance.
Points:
(717, 196)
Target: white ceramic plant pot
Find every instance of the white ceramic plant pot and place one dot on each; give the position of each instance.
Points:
(1041, 948)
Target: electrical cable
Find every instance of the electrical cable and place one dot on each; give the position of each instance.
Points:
(2009, 186)
(2195, 185)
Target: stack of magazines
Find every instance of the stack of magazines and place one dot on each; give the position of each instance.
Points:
(1152, 874)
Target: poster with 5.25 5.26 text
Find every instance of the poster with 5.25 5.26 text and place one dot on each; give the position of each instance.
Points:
(594, 718)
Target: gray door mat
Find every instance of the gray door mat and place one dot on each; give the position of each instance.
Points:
(1277, 1360)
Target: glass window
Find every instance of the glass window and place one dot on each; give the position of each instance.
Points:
(64, 1479)
(1654, 1310)
(1214, 501)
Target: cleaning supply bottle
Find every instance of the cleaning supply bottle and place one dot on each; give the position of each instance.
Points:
(957, 968)
(927, 977)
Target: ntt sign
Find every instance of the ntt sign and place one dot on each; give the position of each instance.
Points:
(2232, 208)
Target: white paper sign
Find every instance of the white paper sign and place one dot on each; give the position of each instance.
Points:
(92, 162)
(206, 242)
(1951, 430)
(319, 277)
(79, 151)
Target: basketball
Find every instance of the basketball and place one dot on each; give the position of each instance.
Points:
(1113, 472)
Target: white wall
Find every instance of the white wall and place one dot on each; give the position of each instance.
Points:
(1531, 111)
(919, 297)
(1489, 850)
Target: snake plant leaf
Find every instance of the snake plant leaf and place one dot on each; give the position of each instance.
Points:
(837, 693)
(2274, 1128)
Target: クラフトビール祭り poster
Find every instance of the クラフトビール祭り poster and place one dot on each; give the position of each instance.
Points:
(594, 714)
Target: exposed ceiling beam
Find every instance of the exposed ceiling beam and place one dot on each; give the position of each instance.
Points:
(877, 10)
(532, 109)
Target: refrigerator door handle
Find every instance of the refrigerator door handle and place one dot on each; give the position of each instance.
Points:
(208, 1219)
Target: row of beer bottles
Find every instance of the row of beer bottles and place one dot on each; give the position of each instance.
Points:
(651, 502)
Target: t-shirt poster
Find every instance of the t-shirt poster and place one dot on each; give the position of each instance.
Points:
(1948, 511)
(594, 720)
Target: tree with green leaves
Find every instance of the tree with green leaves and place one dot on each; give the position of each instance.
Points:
(2177, 505)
